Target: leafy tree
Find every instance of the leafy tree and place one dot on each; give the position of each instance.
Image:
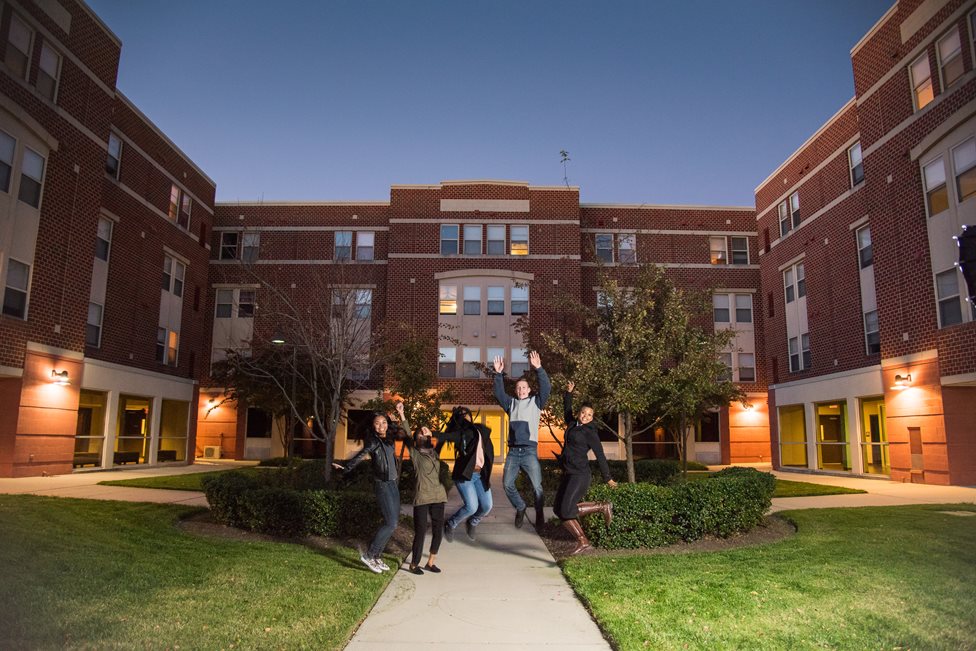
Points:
(642, 355)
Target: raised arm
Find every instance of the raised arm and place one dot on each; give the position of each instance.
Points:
(404, 423)
(503, 399)
(568, 417)
(545, 386)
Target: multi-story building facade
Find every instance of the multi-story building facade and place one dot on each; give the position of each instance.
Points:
(871, 345)
(97, 356)
(461, 262)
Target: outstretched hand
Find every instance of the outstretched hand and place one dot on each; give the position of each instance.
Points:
(570, 386)
(399, 410)
(534, 359)
(612, 484)
(499, 364)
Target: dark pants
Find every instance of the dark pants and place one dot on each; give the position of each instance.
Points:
(571, 490)
(420, 512)
(388, 498)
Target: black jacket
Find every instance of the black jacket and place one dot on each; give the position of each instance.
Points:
(465, 442)
(578, 440)
(381, 452)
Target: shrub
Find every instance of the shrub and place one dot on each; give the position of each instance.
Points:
(660, 472)
(647, 516)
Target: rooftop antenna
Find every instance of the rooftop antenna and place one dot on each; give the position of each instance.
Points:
(564, 158)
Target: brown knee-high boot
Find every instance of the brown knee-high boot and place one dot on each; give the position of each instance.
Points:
(606, 508)
(575, 528)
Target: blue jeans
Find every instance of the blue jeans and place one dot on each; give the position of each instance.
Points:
(477, 502)
(388, 497)
(519, 459)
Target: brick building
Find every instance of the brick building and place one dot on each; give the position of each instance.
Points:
(466, 259)
(97, 356)
(871, 345)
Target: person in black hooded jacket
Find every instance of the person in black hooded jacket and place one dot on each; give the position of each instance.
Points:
(474, 455)
(580, 437)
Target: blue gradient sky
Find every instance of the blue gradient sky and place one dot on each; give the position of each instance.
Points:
(657, 102)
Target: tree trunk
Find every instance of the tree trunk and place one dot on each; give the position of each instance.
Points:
(683, 447)
(629, 441)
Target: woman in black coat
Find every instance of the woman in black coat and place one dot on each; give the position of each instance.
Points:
(474, 456)
(580, 437)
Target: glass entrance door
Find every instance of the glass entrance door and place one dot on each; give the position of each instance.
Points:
(90, 433)
(132, 433)
(874, 437)
(832, 451)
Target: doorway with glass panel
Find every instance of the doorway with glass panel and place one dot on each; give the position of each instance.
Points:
(496, 421)
(832, 448)
(90, 432)
(874, 437)
(132, 430)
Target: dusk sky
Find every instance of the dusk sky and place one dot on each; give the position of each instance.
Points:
(656, 102)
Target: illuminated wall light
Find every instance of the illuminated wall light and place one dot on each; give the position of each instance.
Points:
(903, 381)
(60, 377)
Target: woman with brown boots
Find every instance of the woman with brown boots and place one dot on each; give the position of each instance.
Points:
(580, 437)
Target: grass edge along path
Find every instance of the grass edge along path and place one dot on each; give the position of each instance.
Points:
(99, 574)
(851, 578)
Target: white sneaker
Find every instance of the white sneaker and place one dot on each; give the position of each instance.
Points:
(380, 564)
(370, 563)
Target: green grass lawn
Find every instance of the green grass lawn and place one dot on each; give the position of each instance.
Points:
(788, 488)
(184, 482)
(864, 578)
(118, 575)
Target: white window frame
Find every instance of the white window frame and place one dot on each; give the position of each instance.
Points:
(23, 75)
(520, 363)
(949, 299)
(740, 365)
(868, 333)
(365, 246)
(229, 250)
(789, 285)
(784, 219)
(854, 166)
(627, 248)
(750, 308)
(721, 306)
(519, 245)
(55, 77)
(342, 246)
(250, 247)
(921, 82)
(603, 253)
(805, 353)
(7, 158)
(495, 295)
(470, 355)
(25, 176)
(173, 211)
(447, 359)
(931, 184)
(953, 56)
(959, 169)
(795, 215)
(224, 304)
(242, 301)
(97, 326)
(26, 290)
(175, 281)
(468, 232)
(113, 160)
(491, 236)
(472, 300)
(520, 294)
(743, 250)
(718, 255)
(447, 297)
(110, 227)
(864, 250)
(446, 240)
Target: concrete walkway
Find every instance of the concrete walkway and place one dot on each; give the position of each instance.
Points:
(503, 590)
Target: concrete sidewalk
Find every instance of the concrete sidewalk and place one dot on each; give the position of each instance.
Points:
(503, 590)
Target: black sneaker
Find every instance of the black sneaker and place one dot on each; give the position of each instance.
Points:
(414, 570)
(519, 518)
(470, 529)
(448, 532)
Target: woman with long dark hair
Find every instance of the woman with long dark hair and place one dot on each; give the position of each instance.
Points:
(474, 455)
(580, 437)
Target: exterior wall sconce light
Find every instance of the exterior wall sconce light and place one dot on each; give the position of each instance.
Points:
(903, 381)
(277, 339)
(60, 377)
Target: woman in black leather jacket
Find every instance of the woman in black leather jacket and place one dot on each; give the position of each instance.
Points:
(379, 445)
(580, 437)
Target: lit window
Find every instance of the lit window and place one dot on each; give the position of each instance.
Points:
(18, 47)
(447, 362)
(174, 203)
(720, 308)
(251, 245)
(496, 300)
(172, 348)
(114, 161)
(604, 247)
(228, 245)
(520, 300)
(472, 239)
(865, 256)
(747, 367)
(448, 299)
(449, 239)
(365, 245)
(15, 292)
(936, 195)
(472, 300)
(784, 220)
(496, 239)
(225, 303)
(245, 304)
(743, 308)
(964, 160)
(871, 335)
(795, 208)
(7, 146)
(520, 363)
(921, 76)
(93, 329)
(343, 245)
(855, 163)
(950, 58)
(627, 248)
(470, 358)
(30, 178)
(48, 72)
(103, 239)
(740, 250)
(717, 251)
(520, 240)
(947, 291)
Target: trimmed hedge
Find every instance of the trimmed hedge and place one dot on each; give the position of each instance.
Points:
(732, 501)
(295, 500)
